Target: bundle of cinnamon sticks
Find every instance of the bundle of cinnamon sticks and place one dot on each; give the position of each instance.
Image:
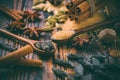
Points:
(79, 10)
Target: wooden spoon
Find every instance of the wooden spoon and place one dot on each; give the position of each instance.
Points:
(30, 42)
(89, 28)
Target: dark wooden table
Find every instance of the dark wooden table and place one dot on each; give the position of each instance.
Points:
(18, 73)
(21, 73)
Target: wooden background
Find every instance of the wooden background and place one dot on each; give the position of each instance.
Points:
(21, 73)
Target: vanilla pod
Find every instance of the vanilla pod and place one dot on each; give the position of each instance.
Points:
(59, 73)
(73, 57)
(63, 63)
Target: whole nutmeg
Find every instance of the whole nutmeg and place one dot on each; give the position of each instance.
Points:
(107, 36)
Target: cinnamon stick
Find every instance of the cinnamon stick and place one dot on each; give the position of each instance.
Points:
(15, 55)
(19, 12)
(69, 5)
(82, 16)
(86, 14)
(28, 63)
(73, 11)
(84, 6)
(77, 2)
(71, 15)
(73, 3)
(10, 13)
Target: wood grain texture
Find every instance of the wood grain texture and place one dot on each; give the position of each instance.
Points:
(11, 72)
(22, 73)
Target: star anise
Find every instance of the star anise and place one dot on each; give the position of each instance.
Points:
(33, 32)
(16, 25)
(80, 41)
(31, 16)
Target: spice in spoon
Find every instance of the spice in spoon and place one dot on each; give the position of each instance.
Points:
(45, 45)
(61, 35)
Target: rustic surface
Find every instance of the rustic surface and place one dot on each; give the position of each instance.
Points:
(21, 73)
(17, 73)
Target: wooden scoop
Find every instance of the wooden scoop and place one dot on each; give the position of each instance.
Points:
(30, 48)
(30, 42)
(88, 28)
